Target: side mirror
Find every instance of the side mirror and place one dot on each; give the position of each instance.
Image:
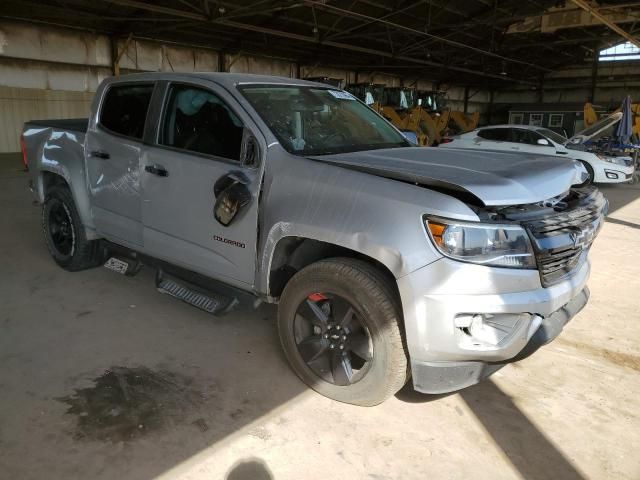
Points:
(231, 195)
(543, 141)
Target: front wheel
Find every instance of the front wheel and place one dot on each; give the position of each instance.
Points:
(339, 322)
(589, 180)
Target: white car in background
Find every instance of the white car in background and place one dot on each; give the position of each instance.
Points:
(534, 139)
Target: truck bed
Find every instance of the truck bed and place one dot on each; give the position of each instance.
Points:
(74, 124)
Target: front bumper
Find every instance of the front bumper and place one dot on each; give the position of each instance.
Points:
(446, 357)
(613, 173)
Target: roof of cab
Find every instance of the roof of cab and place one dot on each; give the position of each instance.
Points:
(226, 79)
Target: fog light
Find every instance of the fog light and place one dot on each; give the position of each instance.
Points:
(611, 175)
(494, 329)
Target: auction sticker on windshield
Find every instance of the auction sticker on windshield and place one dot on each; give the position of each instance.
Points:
(342, 95)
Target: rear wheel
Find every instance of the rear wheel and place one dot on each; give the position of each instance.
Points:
(64, 233)
(339, 324)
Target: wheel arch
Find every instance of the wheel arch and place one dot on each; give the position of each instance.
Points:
(50, 179)
(293, 253)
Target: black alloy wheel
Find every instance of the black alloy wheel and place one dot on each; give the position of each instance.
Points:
(61, 229)
(332, 339)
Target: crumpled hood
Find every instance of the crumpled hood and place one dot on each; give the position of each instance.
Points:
(496, 178)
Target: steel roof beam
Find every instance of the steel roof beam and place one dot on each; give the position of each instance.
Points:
(396, 26)
(596, 13)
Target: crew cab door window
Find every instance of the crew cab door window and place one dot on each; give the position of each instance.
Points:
(124, 109)
(197, 120)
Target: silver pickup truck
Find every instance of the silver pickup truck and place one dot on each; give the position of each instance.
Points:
(388, 262)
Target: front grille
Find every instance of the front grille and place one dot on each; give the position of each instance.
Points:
(561, 240)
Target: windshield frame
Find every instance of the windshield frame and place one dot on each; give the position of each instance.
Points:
(402, 143)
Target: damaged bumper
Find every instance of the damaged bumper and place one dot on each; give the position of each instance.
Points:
(464, 322)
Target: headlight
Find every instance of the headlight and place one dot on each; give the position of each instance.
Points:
(606, 159)
(485, 244)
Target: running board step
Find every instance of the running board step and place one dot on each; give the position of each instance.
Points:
(210, 302)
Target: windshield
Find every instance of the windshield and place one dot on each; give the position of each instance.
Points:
(553, 136)
(319, 121)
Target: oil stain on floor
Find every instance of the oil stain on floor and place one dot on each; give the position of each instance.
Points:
(127, 403)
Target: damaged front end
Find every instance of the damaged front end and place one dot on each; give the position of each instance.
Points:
(561, 229)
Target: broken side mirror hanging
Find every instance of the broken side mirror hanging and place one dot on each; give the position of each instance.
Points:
(231, 195)
(250, 150)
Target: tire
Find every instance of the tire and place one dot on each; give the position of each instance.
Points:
(377, 312)
(589, 169)
(78, 253)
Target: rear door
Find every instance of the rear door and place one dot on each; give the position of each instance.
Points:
(113, 148)
(202, 136)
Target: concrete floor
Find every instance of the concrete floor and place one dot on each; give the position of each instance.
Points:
(103, 377)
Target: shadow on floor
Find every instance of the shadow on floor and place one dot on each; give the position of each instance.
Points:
(619, 195)
(103, 377)
(409, 395)
(526, 447)
(623, 222)
(250, 469)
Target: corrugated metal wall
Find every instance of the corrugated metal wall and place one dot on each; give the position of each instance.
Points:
(50, 72)
(17, 105)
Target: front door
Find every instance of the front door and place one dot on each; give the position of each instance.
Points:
(198, 154)
(527, 141)
(113, 147)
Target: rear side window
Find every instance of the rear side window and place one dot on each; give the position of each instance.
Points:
(496, 134)
(124, 109)
(199, 121)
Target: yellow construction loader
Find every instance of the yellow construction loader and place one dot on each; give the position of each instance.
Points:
(396, 104)
(421, 112)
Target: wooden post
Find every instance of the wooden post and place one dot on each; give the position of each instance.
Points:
(594, 75)
(118, 55)
(541, 89)
(490, 107)
(466, 99)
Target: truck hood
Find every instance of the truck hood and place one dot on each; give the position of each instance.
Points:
(495, 178)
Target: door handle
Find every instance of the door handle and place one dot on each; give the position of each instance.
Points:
(100, 154)
(157, 170)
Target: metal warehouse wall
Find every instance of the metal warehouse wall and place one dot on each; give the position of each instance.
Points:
(573, 84)
(48, 72)
(17, 105)
(51, 72)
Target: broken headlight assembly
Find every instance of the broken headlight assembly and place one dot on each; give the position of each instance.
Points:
(482, 243)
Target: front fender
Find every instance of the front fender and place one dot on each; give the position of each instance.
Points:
(377, 217)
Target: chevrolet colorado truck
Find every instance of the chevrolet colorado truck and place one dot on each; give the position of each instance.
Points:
(388, 262)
